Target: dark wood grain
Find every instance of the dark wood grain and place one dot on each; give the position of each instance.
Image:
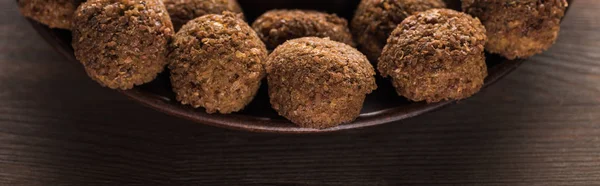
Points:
(538, 126)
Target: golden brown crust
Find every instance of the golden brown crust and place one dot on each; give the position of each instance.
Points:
(54, 13)
(518, 29)
(217, 62)
(436, 55)
(375, 20)
(182, 11)
(122, 43)
(277, 26)
(318, 83)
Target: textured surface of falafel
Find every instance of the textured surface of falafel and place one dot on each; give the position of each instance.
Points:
(217, 62)
(318, 83)
(375, 20)
(54, 13)
(277, 26)
(122, 43)
(518, 28)
(182, 11)
(436, 55)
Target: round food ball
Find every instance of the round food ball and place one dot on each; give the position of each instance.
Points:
(122, 43)
(436, 55)
(518, 29)
(54, 13)
(375, 20)
(182, 11)
(318, 83)
(277, 26)
(217, 62)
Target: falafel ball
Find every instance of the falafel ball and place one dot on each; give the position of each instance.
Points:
(122, 43)
(318, 83)
(375, 20)
(277, 26)
(217, 62)
(436, 55)
(182, 11)
(54, 13)
(518, 28)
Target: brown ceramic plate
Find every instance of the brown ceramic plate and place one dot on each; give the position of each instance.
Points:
(381, 107)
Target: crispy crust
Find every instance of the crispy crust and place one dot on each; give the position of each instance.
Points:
(54, 13)
(518, 29)
(182, 11)
(436, 55)
(277, 26)
(122, 43)
(217, 62)
(375, 20)
(318, 83)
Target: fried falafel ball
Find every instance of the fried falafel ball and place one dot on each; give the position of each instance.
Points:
(318, 83)
(122, 43)
(277, 26)
(217, 62)
(375, 20)
(54, 13)
(436, 55)
(518, 28)
(182, 11)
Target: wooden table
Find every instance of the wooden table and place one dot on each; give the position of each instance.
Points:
(538, 126)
